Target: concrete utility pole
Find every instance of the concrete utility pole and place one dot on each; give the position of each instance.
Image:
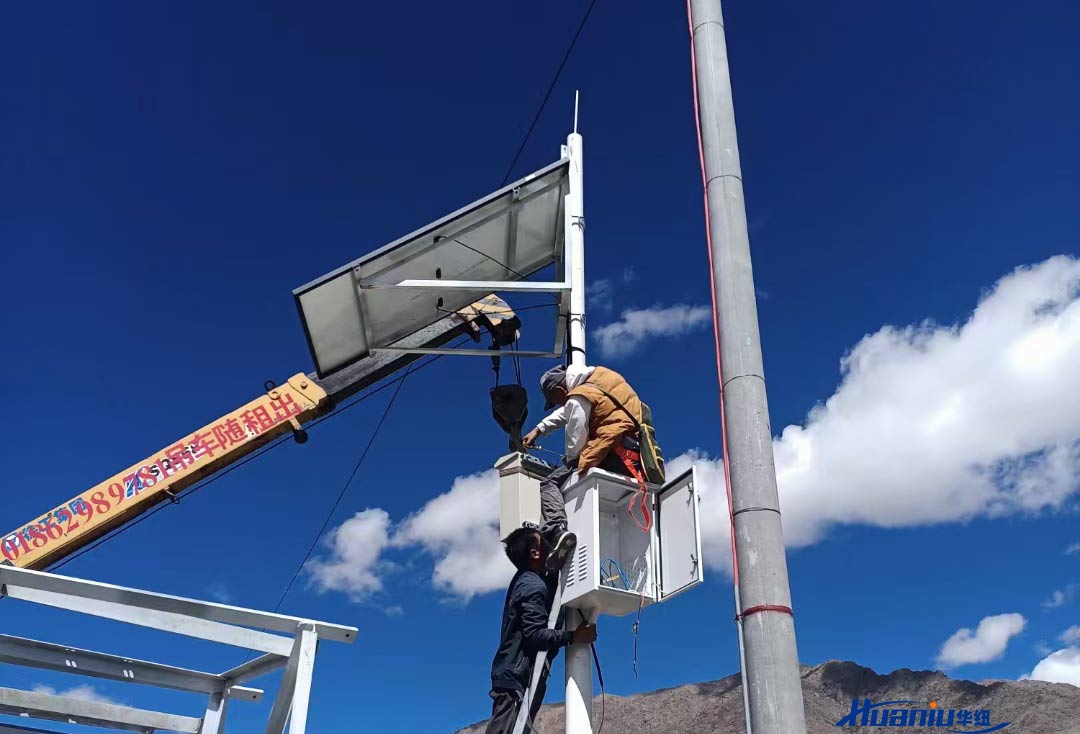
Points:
(772, 664)
(578, 661)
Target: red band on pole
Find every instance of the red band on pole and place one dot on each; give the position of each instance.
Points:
(765, 608)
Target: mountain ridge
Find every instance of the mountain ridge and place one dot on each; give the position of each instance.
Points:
(715, 707)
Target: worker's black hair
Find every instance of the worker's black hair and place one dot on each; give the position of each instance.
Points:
(519, 545)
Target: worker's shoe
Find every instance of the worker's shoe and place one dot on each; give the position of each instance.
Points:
(561, 550)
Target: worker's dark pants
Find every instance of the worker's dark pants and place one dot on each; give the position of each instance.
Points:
(505, 705)
(552, 502)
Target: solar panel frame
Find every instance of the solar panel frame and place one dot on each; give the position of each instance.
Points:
(530, 209)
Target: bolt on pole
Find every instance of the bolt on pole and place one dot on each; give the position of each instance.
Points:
(772, 669)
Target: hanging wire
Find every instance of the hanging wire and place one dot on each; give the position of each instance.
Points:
(344, 489)
(448, 312)
(551, 88)
(495, 260)
(498, 262)
(363, 455)
(517, 361)
(637, 626)
(603, 690)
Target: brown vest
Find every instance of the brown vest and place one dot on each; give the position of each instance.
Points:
(607, 422)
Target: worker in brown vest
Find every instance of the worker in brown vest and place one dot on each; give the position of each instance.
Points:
(597, 409)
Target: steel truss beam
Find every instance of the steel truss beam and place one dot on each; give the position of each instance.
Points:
(293, 648)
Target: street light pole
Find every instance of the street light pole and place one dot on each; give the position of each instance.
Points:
(771, 675)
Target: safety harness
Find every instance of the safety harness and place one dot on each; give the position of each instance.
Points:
(631, 459)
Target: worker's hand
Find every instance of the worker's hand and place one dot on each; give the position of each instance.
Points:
(530, 437)
(583, 635)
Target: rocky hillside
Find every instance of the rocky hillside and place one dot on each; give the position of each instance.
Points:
(1032, 707)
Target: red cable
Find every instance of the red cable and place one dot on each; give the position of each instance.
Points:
(631, 459)
(739, 613)
(712, 291)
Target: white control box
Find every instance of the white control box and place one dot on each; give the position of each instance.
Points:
(617, 565)
(519, 491)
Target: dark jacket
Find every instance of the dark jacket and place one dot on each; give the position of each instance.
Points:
(524, 631)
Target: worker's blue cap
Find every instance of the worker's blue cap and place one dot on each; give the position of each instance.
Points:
(555, 377)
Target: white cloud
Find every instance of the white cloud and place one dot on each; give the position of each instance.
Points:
(460, 529)
(81, 693)
(1074, 548)
(1060, 597)
(1062, 666)
(937, 424)
(1071, 636)
(636, 325)
(600, 296)
(934, 424)
(986, 643)
(355, 549)
(219, 593)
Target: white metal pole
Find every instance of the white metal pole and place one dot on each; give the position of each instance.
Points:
(579, 693)
(214, 720)
(742, 663)
(575, 250)
(578, 658)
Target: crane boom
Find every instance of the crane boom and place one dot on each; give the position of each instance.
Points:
(166, 474)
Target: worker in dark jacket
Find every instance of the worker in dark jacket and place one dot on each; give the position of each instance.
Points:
(525, 631)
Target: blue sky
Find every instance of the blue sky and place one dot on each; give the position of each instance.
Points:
(172, 172)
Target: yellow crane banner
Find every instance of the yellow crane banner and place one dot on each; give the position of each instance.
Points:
(163, 476)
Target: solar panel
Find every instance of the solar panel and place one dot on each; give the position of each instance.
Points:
(386, 295)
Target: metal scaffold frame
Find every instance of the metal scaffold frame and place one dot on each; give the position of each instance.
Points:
(286, 642)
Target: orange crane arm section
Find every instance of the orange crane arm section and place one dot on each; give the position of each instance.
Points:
(120, 498)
